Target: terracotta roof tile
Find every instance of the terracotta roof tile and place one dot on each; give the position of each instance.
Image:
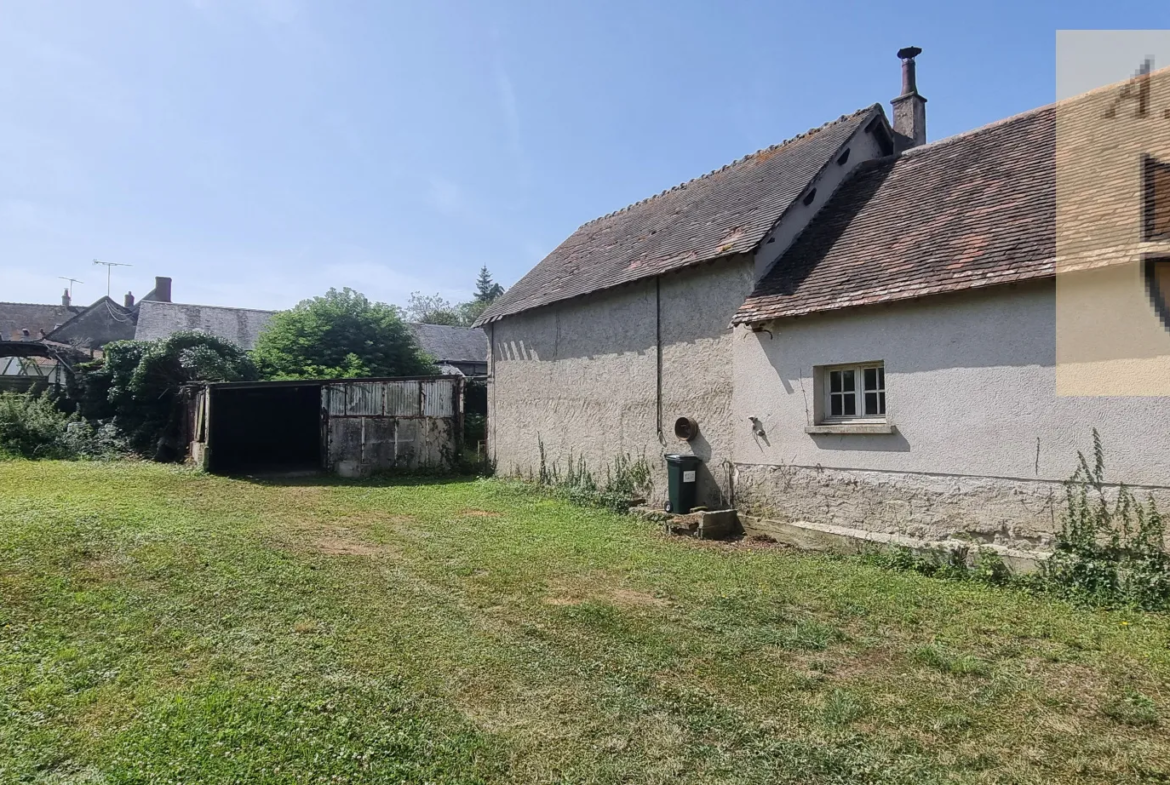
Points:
(969, 211)
(725, 212)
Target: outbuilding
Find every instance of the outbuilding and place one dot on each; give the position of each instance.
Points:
(353, 427)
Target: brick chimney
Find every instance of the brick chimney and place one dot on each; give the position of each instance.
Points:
(909, 107)
(162, 289)
(65, 298)
(128, 300)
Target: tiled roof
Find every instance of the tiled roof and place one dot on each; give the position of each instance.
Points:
(34, 317)
(451, 344)
(241, 326)
(97, 325)
(722, 213)
(970, 211)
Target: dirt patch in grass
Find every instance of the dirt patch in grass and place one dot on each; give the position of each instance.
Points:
(599, 587)
(844, 665)
(376, 518)
(344, 542)
(332, 541)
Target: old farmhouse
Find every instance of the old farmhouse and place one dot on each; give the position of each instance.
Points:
(863, 326)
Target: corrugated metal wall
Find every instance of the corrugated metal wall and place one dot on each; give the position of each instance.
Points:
(397, 424)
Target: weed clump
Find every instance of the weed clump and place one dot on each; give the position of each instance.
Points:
(1108, 552)
(627, 481)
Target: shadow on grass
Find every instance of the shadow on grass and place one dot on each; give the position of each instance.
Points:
(322, 478)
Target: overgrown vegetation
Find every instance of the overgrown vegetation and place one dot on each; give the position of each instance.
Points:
(161, 625)
(135, 386)
(627, 480)
(34, 426)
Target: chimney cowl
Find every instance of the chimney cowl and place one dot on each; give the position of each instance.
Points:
(65, 298)
(909, 107)
(909, 77)
(128, 300)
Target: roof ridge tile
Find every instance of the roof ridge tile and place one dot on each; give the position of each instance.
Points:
(770, 148)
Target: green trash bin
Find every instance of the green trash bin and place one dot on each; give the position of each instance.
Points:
(681, 475)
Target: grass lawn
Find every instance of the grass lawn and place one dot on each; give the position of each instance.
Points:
(159, 625)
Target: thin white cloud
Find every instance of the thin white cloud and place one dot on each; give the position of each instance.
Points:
(509, 108)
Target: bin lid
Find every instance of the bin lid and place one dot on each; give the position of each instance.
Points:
(675, 457)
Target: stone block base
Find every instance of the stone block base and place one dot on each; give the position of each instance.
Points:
(1013, 514)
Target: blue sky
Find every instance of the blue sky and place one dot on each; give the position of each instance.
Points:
(261, 151)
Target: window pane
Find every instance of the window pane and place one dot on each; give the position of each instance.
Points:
(882, 403)
(850, 402)
(834, 381)
(847, 381)
(871, 403)
(881, 377)
(871, 378)
(834, 405)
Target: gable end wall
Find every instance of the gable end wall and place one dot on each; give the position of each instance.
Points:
(580, 377)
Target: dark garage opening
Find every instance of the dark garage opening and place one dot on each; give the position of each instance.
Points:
(265, 428)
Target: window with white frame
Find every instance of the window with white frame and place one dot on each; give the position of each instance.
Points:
(854, 392)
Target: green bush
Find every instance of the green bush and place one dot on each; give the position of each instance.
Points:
(33, 426)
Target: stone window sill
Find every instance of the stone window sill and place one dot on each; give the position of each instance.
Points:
(850, 428)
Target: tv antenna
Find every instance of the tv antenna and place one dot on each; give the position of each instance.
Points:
(109, 269)
(71, 282)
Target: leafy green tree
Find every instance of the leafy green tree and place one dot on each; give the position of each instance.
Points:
(341, 334)
(486, 290)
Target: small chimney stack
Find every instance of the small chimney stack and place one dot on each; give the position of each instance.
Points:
(128, 300)
(65, 298)
(162, 289)
(909, 107)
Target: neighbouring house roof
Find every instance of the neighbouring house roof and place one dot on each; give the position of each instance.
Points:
(34, 317)
(96, 325)
(970, 211)
(451, 344)
(241, 326)
(723, 213)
